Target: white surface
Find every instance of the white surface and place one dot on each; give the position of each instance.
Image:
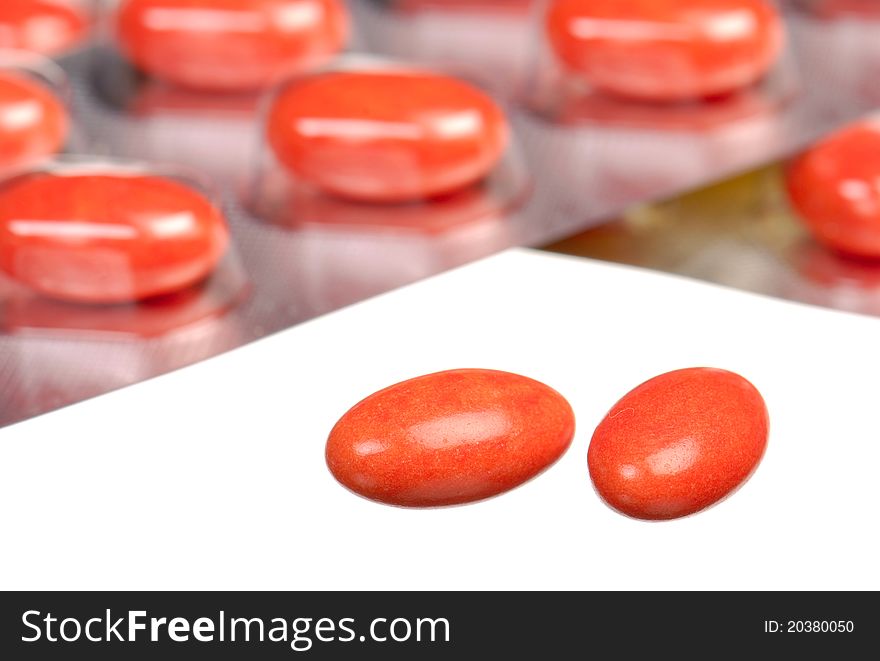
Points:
(213, 477)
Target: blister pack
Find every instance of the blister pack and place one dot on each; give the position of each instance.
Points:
(193, 177)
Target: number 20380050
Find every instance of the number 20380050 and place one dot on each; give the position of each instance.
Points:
(809, 626)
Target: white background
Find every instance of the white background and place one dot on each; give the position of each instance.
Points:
(214, 477)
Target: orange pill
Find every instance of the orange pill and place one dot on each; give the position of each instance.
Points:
(33, 122)
(230, 45)
(41, 26)
(666, 50)
(679, 443)
(107, 238)
(835, 189)
(388, 136)
(449, 438)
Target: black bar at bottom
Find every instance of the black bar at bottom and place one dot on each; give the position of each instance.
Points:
(432, 625)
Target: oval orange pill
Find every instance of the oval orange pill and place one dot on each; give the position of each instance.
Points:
(835, 189)
(229, 45)
(389, 136)
(448, 438)
(107, 238)
(33, 122)
(666, 50)
(679, 443)
(41, 26)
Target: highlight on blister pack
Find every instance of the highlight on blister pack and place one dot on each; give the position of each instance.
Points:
(370, 143)
(150, 120)
(55, 28)
(670, 64)
(100, 246)
(35, 115)
(484, 40)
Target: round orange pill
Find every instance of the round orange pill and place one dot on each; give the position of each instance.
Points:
(666, 50)
(835, 188)
(390, 136)
(33, 122)
(41, 26)
(449, 438)
(679, 443)
(107, 238)
(230, 45)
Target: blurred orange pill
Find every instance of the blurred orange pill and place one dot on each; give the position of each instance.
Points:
(835, 188)
(33, 122)
(230, 45)
(666, 50)
(390, 136)
(41, 26)
(107, 238)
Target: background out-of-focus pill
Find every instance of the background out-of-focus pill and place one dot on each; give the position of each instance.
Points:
(107, 238)
(33, 121)
(230, 45)
(42, 26)
(449, 438)
(386, 136)
(835, 189)
(666, 50)
(679, 443)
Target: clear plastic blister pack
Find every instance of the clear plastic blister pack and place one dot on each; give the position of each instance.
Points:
(802, 229)
(431, 195)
